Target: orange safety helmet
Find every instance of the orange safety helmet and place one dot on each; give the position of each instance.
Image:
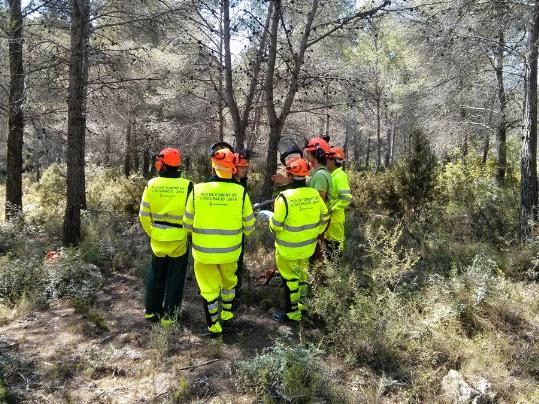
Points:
(169, 156)
(224, 161)
(336, 153)
(298, 167)
(319, 146)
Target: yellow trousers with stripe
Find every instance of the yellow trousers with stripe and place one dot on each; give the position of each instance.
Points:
(294, 273)
(335, 232)
(217, 284)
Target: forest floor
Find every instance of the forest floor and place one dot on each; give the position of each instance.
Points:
(109, 353)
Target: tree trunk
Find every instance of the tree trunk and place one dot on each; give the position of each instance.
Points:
(392, 148)
(368, 155)
(327, 117)
(146, 156)
(128, 148)
(528, 155)
(501, 154)
(106, 158)
(16, 117)
(464, 147)
(486, 140)
(221, 96)
(239, 129)
(389, 132)
(135, 146)
(76, 120)
(357, 147)
(346, 137)
(275, 125)
(378, 134)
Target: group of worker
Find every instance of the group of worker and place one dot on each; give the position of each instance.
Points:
(308, 218)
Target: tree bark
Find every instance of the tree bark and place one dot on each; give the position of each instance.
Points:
(229, 86)
(378, 132)
(528, 155)
(128, 148)
(146, 156)
(106, 158)
(16, 116)
(277, 121)
(135, 146)
(240, 119)
(368, 155)
(220, 104)
(328, 117)
(392, 147)
(357, 147)
(76, 120)
(501, 132)
(486, 140)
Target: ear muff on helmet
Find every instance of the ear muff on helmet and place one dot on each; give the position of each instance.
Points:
(158, 162)
(170, 157)
(319, 152)
(318, 147)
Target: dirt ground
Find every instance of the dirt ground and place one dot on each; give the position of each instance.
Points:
(110, 354)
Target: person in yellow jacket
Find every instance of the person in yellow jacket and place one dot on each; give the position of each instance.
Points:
(339, 199)
(161, 215)
(300, 216)
(218, 213)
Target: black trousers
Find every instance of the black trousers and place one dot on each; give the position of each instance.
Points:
(165, 279)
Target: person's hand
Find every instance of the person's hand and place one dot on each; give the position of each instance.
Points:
(280, 179)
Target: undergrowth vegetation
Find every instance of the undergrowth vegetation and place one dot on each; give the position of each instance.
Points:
(433, 279)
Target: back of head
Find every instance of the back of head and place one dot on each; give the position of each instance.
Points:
(168, 159)
(337, 154)
(318, 148)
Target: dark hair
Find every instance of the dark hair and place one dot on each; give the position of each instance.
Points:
(321, 159)
(169, 169)
(298, 183)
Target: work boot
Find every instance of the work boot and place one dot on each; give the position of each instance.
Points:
(152, 318)
(167, 323)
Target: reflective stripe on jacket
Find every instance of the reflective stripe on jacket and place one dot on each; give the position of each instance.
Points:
(161, 212)
(340, 197)
(217, 214)
(300, 216)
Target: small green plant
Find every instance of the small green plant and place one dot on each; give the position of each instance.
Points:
(5, 395)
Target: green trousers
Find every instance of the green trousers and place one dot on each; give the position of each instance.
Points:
(164, 283)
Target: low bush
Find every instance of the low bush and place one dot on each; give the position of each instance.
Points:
(286, 371)
(415, 328)
(41, 282)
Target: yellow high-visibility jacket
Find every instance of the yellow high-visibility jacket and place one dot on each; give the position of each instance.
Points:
(300, 215)
(161, 214)
(217, 214)
(340, 196)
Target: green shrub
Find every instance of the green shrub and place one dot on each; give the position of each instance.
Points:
(108, 190)
(68, 276)
(475, 206)
(416, 175)
(73, 278)
(287, 371)
(23, 277)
